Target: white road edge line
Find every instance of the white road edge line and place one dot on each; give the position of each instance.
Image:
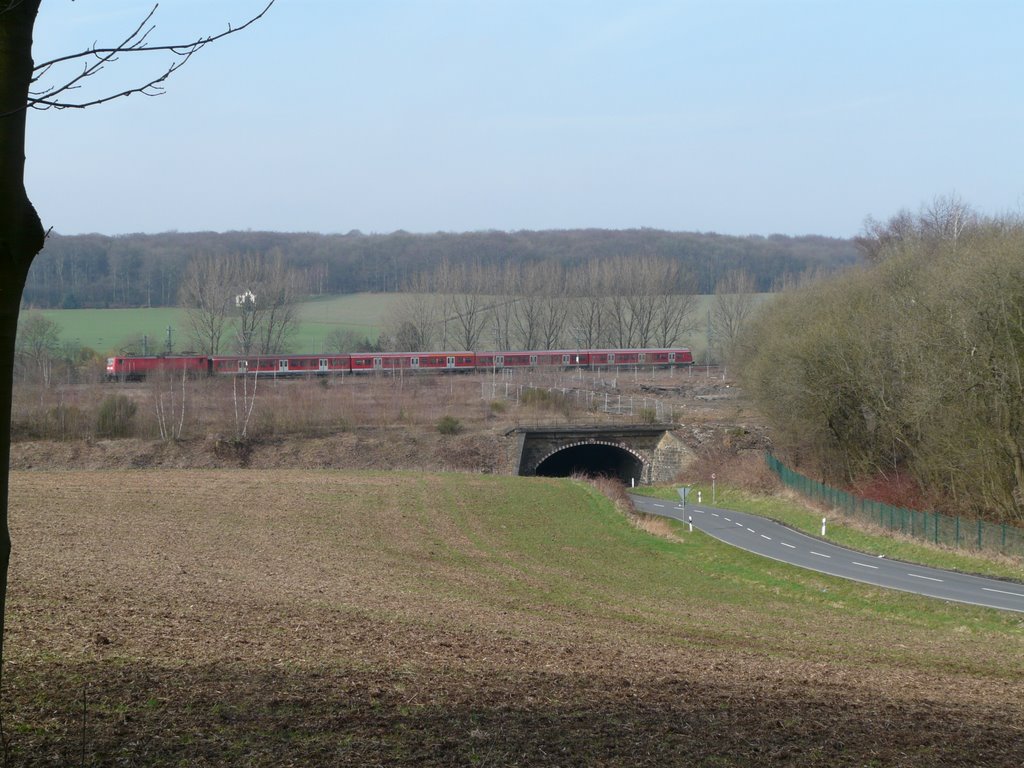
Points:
(1003, 592)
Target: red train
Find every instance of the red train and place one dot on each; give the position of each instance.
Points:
(136, 368)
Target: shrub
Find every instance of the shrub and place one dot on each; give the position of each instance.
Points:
(115, 415)
(648, 415)
(65, 422)
(546, 400)
(449, 425)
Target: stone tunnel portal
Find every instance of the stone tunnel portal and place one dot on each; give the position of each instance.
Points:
(593, 459)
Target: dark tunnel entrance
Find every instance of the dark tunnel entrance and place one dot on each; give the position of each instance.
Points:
(593, 459)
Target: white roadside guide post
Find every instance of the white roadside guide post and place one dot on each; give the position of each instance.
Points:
(683, 493)
(714, 496)
(823, 526)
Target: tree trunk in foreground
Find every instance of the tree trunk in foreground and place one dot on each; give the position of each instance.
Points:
(21, 233)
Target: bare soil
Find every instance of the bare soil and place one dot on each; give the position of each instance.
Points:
(253, 618)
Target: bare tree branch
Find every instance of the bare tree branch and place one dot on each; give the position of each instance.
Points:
(96, 58)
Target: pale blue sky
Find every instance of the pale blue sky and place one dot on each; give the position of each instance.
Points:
(734, 116)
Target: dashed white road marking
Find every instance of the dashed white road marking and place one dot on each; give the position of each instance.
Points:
(864, 565)
(660, 506)
(739, 524)
(766, 537)
(819, 554)
(714, 514)
(1003, 592)
(751, 530)
(791, 546)
(728, 520)
(919, 576)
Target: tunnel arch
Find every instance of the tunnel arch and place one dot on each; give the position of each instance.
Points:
(593, 457)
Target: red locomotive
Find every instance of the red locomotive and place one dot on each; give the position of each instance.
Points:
(136, 368)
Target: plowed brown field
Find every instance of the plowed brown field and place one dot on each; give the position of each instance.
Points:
(276, 618)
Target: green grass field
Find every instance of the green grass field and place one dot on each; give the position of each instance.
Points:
(108, 331)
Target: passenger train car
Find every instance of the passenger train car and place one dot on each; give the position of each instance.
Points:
(137, 368)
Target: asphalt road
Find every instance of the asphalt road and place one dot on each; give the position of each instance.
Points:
(770, 539)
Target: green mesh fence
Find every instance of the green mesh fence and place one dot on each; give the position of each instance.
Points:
(932, 526)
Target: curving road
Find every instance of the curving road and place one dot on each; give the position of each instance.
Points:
(770, 539)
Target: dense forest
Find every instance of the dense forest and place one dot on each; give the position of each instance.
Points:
(908, 372)
(147, 270)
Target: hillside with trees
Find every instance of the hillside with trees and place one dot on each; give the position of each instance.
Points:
(148, 270)
(909, 371)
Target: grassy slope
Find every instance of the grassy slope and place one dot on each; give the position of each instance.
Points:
(229, 617)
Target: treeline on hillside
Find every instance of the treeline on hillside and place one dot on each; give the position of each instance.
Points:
(147, 270)
(912, 367)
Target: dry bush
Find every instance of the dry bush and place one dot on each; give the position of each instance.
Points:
(656, 526)
(896, 490)
(744, 469)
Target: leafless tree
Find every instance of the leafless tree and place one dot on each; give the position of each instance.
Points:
(507, 280)
(209, 299)
(586, 319)
(274, 303)
(466, 303)
(554, 305)
(168, 405)
(527, 309)
(946, 218)
(675, 307)
(38, 346)
(734, 304)
(415, 324)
